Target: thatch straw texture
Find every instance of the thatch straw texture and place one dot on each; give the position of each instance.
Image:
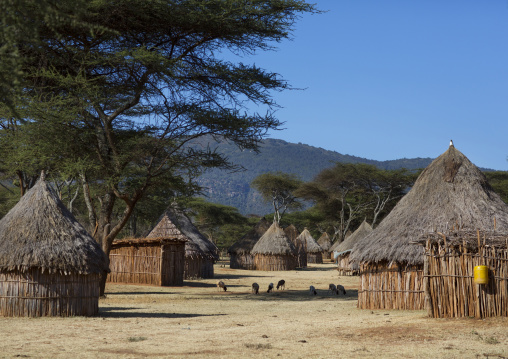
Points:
(153, 261)
(292, 234)
(274, 251)
(200, 253)
(239, 253)
(39, 232)
(450, 192)
(343, 250)
(313, 249)
(326, 244)
(49, 264)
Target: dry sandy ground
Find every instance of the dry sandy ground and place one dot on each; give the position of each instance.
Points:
(196, 320)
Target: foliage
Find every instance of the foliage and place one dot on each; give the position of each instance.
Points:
(499, 182)
(278, 188)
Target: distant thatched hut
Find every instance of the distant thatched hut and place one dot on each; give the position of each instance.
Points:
(155, 261)
(274, 251)
(337, 243)
(450, 192)
(200, 253)
(314, 251)
(49, 264)
(326, 244)
(342, 252)
(240, 256)
(292, 234)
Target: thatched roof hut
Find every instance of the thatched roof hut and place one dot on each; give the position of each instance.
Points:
(343, 250)
(198, 249)
(49, 264)
(326, 244)
(292, 234)
(450, 193)
(312, 248)
(274, 251)
(240, 256)
(153, 261)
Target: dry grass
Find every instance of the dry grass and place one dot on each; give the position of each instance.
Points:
(197, 320)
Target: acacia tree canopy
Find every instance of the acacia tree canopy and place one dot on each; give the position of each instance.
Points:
(145, 78)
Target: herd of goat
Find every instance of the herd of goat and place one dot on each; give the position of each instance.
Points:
(332, 288)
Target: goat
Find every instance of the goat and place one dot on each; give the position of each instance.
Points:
(255, 288)
(341, 289)
(221, 285)
(333, 288)
(270, 287)
(281, 284)
(312, 290)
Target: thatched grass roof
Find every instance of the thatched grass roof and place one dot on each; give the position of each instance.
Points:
(40, 232)
(349, 242)
(310, 244)
(274, 242)
(291, 233)
(325, 242)
(174, 223)
(247, 242)
(127, 242)
(450, 192)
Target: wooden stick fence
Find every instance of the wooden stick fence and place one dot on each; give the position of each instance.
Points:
(450, 290)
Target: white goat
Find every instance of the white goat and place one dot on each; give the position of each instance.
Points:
(270, 287)
(221, 285)
(312, 290)
(255, 288)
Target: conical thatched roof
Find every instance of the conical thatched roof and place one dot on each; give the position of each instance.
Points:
(451, 191)
(310, 244)
(337, 243)
(174, 223)
(291, 233)
(349, 242)
(247, 242)
(40, 232)
(274, 242)
(325, 242)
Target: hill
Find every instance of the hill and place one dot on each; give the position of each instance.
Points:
(305, 161)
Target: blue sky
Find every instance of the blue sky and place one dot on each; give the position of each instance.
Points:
(398, 79)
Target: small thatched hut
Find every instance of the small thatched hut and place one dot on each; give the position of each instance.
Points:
(154, 261)
(240, 256)
(450, 193)
(336, 244)
(342, 252)
(200, 253)
(314, 251)
(49, 264)
(274, 251)
(292, 234)
(326, 244)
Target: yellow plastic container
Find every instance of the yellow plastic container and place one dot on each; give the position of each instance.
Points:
(481, 274)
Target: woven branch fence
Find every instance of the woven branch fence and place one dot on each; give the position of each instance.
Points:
(152, 263)
(450, 290)
(314, 258)
(242, 261)
(394, 286)
(37, 294)
(275, 262)
(344, 266)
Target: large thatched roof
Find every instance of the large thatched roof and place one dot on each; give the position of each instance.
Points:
(451, 191)
(349, 242)
(325, 242)
(40, 232)
(174, 223)
(247, 242)
(274, 242)
(310, 244)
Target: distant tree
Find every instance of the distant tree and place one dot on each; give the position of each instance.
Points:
(279, 189)
(349, 192)
(499, 182)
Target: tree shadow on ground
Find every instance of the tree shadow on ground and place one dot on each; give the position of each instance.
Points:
(296, 295)
(316, 269)
(132, 312)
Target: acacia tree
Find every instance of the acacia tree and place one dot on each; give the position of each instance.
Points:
(153, 82)
(347, 192)
(278, 188)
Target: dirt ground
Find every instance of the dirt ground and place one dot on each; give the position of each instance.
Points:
(196, 320)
